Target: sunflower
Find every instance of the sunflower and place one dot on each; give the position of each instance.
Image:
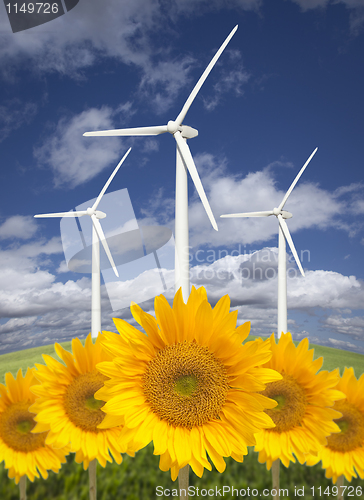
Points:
(24, 453)
(344, 453)
(189, 385)
(304, 416)
(66, 406)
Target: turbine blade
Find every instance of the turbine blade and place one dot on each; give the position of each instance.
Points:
(95, 205)
(63, 214)
(129, 131)
(202, 79)
(100, 234)
(289, 240)
(250, 214)
(186, 155)
(285, 198)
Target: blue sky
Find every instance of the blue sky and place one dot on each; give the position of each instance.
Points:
(290, 80)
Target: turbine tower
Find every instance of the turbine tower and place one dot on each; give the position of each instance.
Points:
(184, 162)
(97, 236)
(283, 236)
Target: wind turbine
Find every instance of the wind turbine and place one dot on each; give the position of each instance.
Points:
(283, 236)
(97, 236)
(184, 160)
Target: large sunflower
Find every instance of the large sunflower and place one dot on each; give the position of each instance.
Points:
(189, 385)
(344, 452)
(66, 406)
(24, 453)
(304, 415)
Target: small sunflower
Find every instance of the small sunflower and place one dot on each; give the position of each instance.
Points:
(24, 453)
(304, 415)
(66, 406)
(344, 453)
(189, 385)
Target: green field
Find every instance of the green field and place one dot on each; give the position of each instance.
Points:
(333, 358)
(137, 478)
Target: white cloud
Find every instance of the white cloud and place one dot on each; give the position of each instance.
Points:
(38, 307)
(150, 146)
(352, 326)
(22, 227)
(252, 278)
(341, 344)
(95, 30)
(231, 79)
(17, 324)
(311, 205)
(21, 275)
(78, 39)
(75, 159)
(163, 81)
(24, 257)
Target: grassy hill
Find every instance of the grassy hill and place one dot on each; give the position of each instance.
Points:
(333, 358)
(138, 477)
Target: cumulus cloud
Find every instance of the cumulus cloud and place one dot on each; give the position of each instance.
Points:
(40, 310)
(250, 280)
(342, 344)
(35, 307)
(77, 40)
(163, 81)
(95, 30)
(311, 205)
(75, 159)
(352, 326)
(22, 227)
(232, 79)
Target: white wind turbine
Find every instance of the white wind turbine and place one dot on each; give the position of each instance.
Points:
(283, 236)
(184, 160)
(97, 236)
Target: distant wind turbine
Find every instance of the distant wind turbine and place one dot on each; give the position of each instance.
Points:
(283, 236)
(184, 160)
(97, 236)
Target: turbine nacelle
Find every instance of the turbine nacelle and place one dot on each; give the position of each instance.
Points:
(95, 215)
(99, 215)
(186, 131)
(283, 213)
(180, 132)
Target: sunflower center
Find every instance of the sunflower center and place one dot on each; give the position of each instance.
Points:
(185, 384)
(16, 423)
(291, 400)
(352, 428)
(79, 402)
